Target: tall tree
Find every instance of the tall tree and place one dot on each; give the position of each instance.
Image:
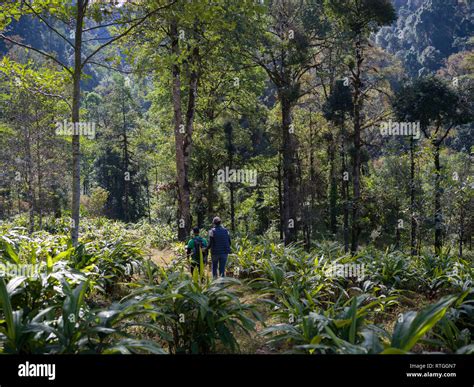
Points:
(118, 165)
(34, 102)
(87, 18)
(286, 46)
(357, 19)
(179, 55)
(439, 109)
(337, 109)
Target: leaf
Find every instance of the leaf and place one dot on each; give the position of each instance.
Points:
(7, 310)
(7, 245)
(466, 350)
(14, 284)
(371, 341)
(128, 346)
(63, 255)
(352, 329)
(393, 351)
(415, 325)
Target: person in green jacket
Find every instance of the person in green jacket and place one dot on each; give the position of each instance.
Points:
(196, 247)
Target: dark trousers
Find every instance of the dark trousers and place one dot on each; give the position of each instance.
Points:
(219, 261)
(194, 265)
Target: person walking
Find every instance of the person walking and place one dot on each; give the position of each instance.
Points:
(197, 248)
(219, 245)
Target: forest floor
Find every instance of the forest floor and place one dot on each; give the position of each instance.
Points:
(251, 344)
(255, 343)
(161, 257)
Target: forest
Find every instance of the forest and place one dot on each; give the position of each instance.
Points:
(332, 138)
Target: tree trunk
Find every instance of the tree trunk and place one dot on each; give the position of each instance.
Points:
(280, 196)
(210, 189)
(126, 163)
(461, 229)
(39, 206)
(357, 83)
(312, 177)
(29, 179)
(332, 187)
(201, 213)
(187, 143)
(76, 143)
(40, 182)
(412, 198)
(147, 182)
(397, 231)
(183, 131)
(438, 216)
(345, 189)
(356, 185)
(232, 206)
(184, 216)
(230, 160)
(290, 194)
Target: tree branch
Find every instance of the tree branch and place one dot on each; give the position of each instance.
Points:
(48, 25)
(126, 32)
(110, 67)
(38, 51)
(440, 141)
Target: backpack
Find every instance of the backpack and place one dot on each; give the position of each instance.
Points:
(198, 246)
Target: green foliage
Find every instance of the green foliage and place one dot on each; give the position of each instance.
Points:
(338, 104)
(55, 315)
(413, 326)
(155, 235)
(341, 328)
(426, 33)
(432, 102)
(279, 87)
(56, 308)
(96, 202)
(362, 16)
(454, 330)
(198, 314)
(346, 329)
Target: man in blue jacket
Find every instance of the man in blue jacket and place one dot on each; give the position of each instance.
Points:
(219, 244)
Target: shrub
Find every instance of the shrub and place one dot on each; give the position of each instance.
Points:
(94, 204)
(198, 314)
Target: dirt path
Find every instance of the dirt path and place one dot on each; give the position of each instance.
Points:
(162, 257)
(249, 344)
